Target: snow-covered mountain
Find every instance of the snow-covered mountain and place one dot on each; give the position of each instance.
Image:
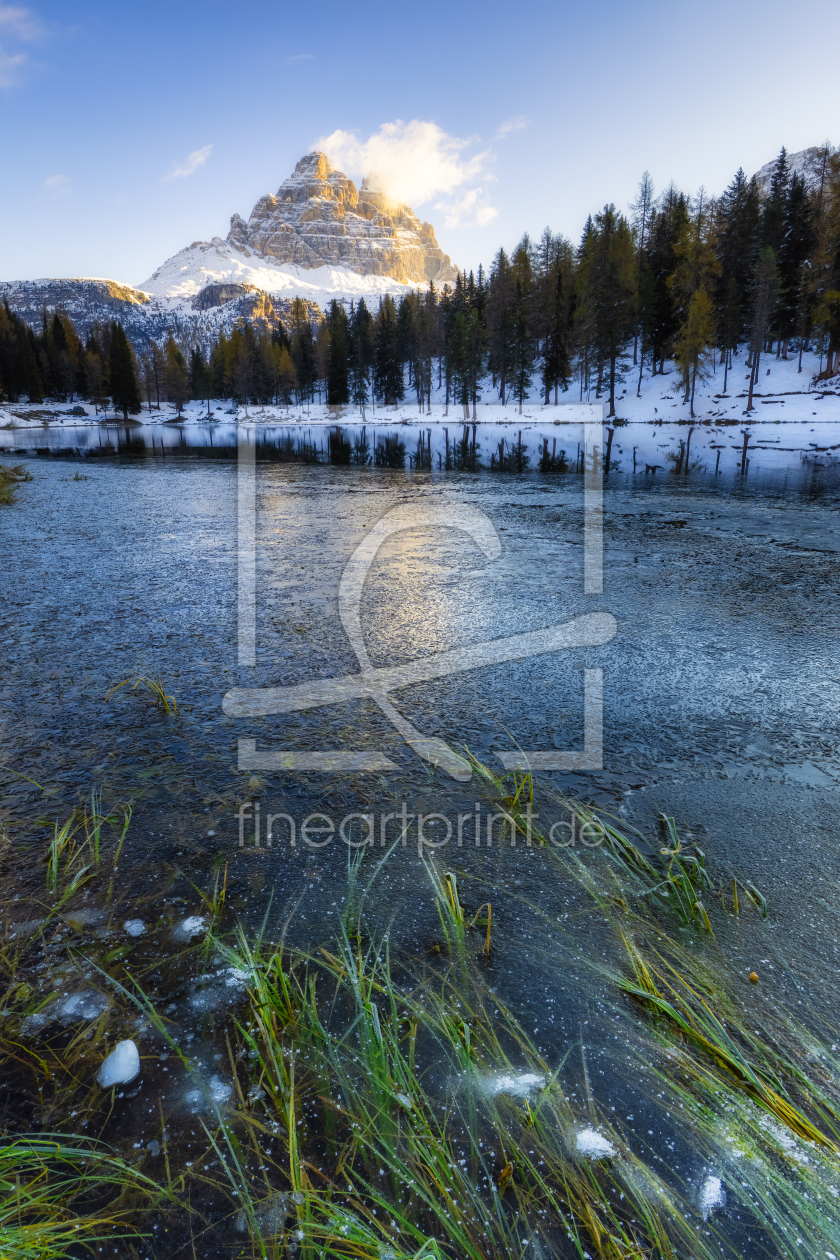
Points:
(811, 164)
(317, 238)
(144, 317)
(219, 263)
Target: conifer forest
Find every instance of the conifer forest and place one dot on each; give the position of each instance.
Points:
(682, 279)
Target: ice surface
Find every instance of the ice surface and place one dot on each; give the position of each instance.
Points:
(135, 927)
(121, 1066)
(712, 1195)
(86, 916)
(593, 1144)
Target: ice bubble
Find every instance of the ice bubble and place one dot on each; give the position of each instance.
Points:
(219, 1089)
(593, 1144)
(522, 1085)
(121, 1066)
(712, 1195)
(188, 928)
(86, 1005)
(135, 927)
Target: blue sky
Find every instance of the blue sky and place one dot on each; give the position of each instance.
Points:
(127, 131)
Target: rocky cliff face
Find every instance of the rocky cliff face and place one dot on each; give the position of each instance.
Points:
(317, 218)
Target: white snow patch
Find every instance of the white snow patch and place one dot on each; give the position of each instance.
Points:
(235, 976)
(189, 271)
(593, 1145)
(712, 1196)
(121, 1066)
(521, 1085)
(135, 927)
(190, 927)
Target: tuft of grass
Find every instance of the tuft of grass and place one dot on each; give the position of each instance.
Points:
(77, 841)
(155, 688)
(10, 479)
(398, 1142)
(759, 1092)
(47, 1186)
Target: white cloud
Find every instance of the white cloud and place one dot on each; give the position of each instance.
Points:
(196, 159)
(56, 184)
(467, 211)
(413, 162)
(512, 124)
(21, 23)
(301, 57)
(17, 26)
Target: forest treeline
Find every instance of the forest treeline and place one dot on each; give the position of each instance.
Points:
(688, 280)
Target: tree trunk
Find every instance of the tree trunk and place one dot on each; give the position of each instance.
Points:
(753, 379)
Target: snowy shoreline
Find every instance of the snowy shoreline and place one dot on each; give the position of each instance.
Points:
(790, 423)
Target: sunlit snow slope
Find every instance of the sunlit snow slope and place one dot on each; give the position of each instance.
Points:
(219, 262)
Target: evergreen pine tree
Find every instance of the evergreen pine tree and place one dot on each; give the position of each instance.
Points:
(176, 375)
(522, 346)
(125, 392)
(774, 213)
(737, 242)
(556, 365)
(796, 246)
(361, 354)
(387, 371)
(660, 263)
(338, 388)
(608, 294)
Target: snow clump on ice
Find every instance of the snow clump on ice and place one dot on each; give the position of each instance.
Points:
(135, 927)
(188, 928)
(712, 1195)
(521, 1085)
(121, 1066)
(593, 1145)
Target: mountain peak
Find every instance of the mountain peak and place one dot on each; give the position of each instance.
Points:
(315, 164)
(318, 218)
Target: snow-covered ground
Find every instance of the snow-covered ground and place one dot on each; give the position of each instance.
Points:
(791, 421)
(220, 262)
